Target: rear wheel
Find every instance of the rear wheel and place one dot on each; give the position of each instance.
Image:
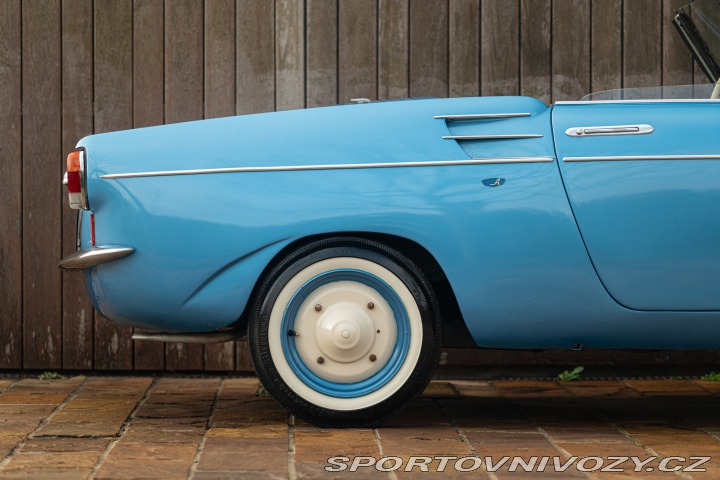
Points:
(345, 332)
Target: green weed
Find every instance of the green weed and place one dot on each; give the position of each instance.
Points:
(570, 375)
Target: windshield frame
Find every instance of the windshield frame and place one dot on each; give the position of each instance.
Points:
(695, 42)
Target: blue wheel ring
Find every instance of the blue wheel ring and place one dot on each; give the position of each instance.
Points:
(370, 384)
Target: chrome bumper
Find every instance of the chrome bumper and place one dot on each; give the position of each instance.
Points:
(83, 259)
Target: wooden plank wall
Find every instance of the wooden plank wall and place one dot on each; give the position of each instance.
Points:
(70, 68)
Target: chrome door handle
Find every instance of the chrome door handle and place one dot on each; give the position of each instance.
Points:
(642, 129)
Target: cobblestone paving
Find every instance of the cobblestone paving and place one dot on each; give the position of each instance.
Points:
(217, 428)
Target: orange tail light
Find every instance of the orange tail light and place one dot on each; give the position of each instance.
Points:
(75, 180)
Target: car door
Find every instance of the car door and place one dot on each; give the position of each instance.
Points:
(643, 181)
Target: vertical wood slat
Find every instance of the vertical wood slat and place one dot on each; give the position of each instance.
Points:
(77, 122)
(321, 53)
(148, 67)
(428, 48)
(148, 109)
(11, 250)
(219, 102)
(183, 102)
(289, 54)
(42, 167)
(113, 111)
(500, 57)
(393, 53)
(606, 46)
(219, 67)
(357, 47)
(464, 48)
(571, 50)
(255, 64)
(183, 60)
(243, 363)
(535, 49)
(642, 52)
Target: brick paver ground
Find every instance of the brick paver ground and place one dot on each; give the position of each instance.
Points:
(217, 428)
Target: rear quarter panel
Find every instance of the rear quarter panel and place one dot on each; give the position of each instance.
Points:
(513, 254)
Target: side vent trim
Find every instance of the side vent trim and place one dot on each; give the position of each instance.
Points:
(492, 137)
(480, 116)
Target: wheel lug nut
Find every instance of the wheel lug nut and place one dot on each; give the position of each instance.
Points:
(320, 360)
(318, 307)
(373, 357)
(371, 305)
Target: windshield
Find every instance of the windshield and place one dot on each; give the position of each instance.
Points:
(698, 92)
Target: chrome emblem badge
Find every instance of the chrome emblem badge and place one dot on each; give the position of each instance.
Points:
(493, 182)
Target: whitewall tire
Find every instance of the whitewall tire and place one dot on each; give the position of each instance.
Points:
(344, 332)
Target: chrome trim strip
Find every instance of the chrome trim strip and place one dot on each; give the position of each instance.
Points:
(609, 130)
(625, 158)
(348, 166)
(92, 257)
(491, 137)
(191, 337)
(78, 231)
(518, 160)
(653, 100)
(480, 116)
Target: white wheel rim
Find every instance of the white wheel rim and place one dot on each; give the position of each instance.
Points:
(344, 333)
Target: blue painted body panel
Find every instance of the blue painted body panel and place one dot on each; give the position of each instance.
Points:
(513, 254)
(652, 228)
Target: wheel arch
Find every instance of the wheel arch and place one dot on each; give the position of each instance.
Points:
(455, 332)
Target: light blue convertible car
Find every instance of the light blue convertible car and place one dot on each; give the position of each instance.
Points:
(352, 242)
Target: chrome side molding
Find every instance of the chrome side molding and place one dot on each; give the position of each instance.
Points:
(495, 161)
(480, 116)
(301, 168)
(608, 130)
(492, 137)
(627, 158)
(92, 257)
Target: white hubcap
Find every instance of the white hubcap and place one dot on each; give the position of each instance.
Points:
(346, 332)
